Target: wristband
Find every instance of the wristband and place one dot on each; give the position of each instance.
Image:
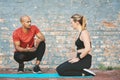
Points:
(79, 57)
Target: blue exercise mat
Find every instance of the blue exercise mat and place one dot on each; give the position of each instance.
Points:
(44, 75)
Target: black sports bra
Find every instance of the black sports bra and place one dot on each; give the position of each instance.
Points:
(79, 43)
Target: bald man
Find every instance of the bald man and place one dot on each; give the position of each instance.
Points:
(26, 46)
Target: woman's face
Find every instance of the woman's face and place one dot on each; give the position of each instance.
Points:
(73, 24)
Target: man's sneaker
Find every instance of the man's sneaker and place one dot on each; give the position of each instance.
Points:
(36, 69)
(20, 72)
(89, 72)
(21, 68)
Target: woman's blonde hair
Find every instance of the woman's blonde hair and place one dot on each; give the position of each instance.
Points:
(80, 19)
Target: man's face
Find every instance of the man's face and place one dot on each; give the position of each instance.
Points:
(26, 22)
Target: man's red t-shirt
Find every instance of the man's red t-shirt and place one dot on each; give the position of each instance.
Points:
(26, 39)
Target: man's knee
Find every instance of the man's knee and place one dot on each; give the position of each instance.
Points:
(18, 58)
(42, 45)
(37, 41)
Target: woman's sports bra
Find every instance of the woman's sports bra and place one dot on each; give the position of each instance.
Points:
(79, 43)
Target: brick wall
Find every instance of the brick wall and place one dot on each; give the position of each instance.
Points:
(53, 19)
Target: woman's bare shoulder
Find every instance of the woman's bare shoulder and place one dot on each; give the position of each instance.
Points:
(85, 32)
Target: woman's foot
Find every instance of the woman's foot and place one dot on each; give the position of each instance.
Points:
(88, 72)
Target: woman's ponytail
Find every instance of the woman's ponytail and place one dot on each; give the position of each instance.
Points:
(83, 23)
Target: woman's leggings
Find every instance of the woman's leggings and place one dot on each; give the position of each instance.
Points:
(20, 57)
(74, 69)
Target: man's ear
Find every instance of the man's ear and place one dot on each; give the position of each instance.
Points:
(22, 23)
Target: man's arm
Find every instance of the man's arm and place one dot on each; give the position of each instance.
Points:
(18, 48)
(40, 36)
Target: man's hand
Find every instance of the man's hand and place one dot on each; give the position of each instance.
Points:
(30, 49)
(74, 60)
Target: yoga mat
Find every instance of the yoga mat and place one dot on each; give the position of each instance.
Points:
(43, 75)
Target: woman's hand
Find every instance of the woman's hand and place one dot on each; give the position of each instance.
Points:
(74, 60)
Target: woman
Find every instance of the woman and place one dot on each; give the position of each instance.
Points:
(82, 62)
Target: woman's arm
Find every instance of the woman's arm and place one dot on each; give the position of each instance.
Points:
(80, 50)
(85, 37)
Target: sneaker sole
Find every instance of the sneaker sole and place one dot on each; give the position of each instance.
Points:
(39, 72)
(89, 72)
(20, 72)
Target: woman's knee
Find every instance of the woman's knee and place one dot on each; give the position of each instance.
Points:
(59, 70)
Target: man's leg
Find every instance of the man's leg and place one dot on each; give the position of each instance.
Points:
(39, 54)
(19, 57)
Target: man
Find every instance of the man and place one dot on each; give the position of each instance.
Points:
(26, 47)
